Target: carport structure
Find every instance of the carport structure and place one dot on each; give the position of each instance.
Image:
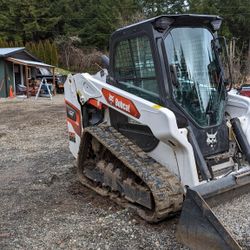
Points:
(18, 67)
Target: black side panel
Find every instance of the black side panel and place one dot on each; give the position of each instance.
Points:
(213, 140)
(139, 134)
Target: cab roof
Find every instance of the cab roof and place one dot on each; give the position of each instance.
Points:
(176, 20)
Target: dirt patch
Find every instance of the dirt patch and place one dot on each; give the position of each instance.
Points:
(43, 206)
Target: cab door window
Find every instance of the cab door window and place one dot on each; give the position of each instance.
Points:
(134, 68)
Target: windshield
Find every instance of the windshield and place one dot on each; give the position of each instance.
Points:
(196, 74)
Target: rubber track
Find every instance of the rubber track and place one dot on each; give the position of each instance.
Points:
(165, 187)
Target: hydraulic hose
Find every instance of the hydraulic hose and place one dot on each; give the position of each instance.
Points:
(241, 138)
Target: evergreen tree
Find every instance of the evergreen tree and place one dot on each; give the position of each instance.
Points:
(235, 14)
(5, 44)
(23, 21)
(27, 19)
(101, 19)
(47, 51)
(29, 47)
(11, 44)
(40, 51)
(159, 7)
(16, 43)
(54, 55)
(34, 49)
(1, 43)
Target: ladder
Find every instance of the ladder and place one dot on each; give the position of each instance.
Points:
(43, 82)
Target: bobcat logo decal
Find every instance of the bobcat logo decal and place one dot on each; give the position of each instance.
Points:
(211, 139)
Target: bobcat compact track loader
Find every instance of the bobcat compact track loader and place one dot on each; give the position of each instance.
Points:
(157, 131)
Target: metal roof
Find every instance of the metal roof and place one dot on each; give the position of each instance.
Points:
(4, 52)
(29, 63)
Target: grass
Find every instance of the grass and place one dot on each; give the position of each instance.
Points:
(61, 71)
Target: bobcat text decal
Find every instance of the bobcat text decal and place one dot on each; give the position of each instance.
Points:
(121, 103)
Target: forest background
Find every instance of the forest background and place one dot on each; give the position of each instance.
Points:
(73, 33)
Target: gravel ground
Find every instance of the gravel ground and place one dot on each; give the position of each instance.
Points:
(43, 206)
(235, 215)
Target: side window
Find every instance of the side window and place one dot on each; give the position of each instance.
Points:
(134, 68)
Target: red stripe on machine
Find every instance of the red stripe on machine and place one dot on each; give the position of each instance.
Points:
(95, 103)
(74, 117)
(121, 103)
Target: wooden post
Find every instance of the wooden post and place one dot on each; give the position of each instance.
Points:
(54, 81)
(27, 81)
(6, 79)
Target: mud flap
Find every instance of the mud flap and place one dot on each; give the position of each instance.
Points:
(199, 228)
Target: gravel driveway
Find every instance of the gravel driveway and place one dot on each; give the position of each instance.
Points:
(43, 206)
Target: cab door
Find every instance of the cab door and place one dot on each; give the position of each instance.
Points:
(134, 71)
